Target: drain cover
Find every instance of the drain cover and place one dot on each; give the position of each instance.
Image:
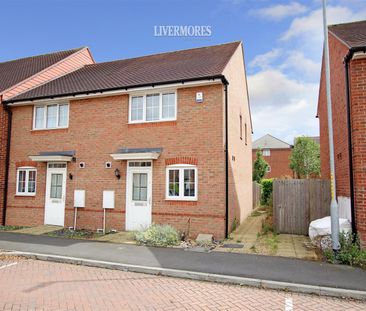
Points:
(233, 246)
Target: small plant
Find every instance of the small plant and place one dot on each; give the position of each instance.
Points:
(234, 224)
(272, 242)
(253, 249)
(350, 252)
(158, 235)
(238, 241)
(11, 228)
(255, 214)
(267, 188)
(267, 228)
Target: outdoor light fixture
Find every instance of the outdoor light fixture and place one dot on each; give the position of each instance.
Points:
(117, 174)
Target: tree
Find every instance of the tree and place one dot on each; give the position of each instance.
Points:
(305, 158)
(260, 167)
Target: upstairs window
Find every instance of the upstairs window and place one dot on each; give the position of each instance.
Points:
(181, 182)
(26, 181)
(51, 116)
(266, 152)
(153, 107)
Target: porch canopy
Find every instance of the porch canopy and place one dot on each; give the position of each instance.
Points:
(53, 156)
(137, 154)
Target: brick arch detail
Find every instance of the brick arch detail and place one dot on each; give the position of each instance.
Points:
(181, 160)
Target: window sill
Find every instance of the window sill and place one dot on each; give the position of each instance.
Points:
(182, 199)
(64, 129)
(22, 195)
(152, 124)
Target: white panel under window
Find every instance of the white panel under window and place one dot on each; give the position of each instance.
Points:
(63, 115)
(39, 117)
(152, 107)
(168, 110)
(79, 198)
(108, 199)
(137, 108)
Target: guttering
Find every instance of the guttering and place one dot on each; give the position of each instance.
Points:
(118, 90)
(226, 160)
(7, 160)
(347, 60)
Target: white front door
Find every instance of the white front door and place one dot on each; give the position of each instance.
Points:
(138, 195)
(55, 194)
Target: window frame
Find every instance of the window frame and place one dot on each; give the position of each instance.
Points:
(241, 126)
(26, 193)
(268, 169)
(144, 96)
(268, 152)
(181, 168)
(45, 106)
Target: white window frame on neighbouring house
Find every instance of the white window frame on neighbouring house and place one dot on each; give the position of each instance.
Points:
(45, 121)
(144, 97)
(266, 152)
(26, 171)
(268, 169)
(181, 168)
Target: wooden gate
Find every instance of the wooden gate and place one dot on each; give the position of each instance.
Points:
(297, 202)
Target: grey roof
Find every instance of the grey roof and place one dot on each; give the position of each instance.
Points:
(139, 150)
(352, 34)
(184, 65)
(14, 71)
(270, 142)
(58, 153)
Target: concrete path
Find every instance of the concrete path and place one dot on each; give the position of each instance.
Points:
(226, 264)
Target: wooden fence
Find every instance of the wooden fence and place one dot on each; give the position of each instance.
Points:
(257, 192)
(297, 202)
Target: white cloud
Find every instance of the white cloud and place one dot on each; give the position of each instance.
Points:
(310, 27)
(265, 60)
(280, 11)
(282, 106)
(300, 64)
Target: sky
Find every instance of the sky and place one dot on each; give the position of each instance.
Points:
(282, 42)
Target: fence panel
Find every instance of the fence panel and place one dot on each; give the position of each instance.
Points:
(257, 192)
(296, 202)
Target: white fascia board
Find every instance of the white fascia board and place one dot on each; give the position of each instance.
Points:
(50, 158)
(119, 92)
(136, 156)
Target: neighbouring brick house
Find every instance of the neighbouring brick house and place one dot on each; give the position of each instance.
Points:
(21, 75)
(347, 47)
(164, 138)
(276, 153)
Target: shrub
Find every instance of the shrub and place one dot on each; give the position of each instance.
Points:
(267, 188)
(350, 252)
(158, 235)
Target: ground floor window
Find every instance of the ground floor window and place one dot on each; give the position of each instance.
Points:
(26, 181)
(181, 182)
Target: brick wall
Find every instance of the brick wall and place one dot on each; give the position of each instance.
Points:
(279, 161)
(97, 128)
(358, 113)
(338, 92)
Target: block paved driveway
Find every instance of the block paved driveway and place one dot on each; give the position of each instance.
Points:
(27, 284)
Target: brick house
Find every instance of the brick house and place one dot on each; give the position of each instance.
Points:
(276, 153)
(21, 75)
(347, 47)
(164, 138)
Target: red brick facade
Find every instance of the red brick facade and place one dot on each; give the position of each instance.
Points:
(97, 128)
(338, 51)
(279, 161)
(3, 148)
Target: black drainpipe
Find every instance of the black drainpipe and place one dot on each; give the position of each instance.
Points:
(226, 160)
(347, 60)
(7, 160)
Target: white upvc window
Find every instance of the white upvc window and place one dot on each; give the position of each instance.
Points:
(26, 181)
(153, 107)
(51, 116)
(181, 182)
(266, 152)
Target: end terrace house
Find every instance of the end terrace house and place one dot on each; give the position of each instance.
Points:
(164, 138)
(21, 75)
